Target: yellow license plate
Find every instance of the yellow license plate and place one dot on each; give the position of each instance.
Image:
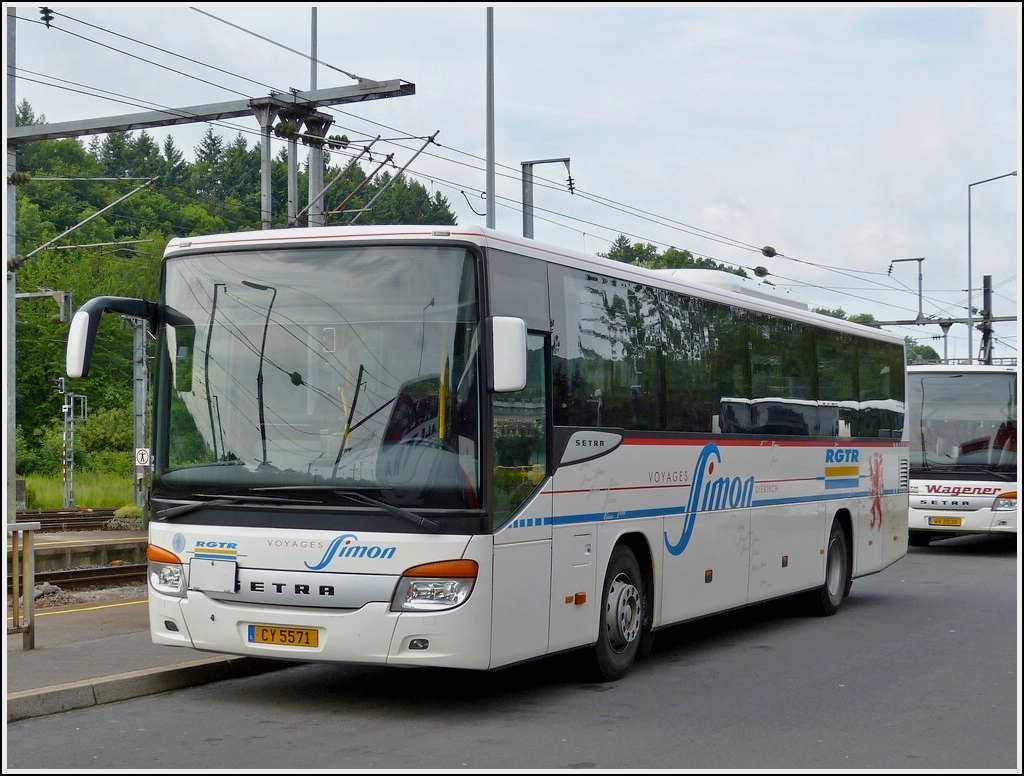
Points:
(951, 521)
(285, 637)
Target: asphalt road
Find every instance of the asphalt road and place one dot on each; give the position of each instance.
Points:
(920, 670)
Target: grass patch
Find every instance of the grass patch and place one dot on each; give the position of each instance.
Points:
(91, 491)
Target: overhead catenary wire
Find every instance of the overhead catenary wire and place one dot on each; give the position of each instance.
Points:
(447, 155)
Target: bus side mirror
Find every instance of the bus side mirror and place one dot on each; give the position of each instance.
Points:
(507, 372)
(81, 337)
(84, 324)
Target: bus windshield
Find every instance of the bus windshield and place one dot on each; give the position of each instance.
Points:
(349, 367)
(962, 420)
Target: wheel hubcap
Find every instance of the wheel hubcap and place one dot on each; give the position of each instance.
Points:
(622, 619)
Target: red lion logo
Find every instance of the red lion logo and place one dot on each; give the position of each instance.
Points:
(877, 488)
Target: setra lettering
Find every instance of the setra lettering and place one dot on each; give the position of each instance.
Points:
(298, 589)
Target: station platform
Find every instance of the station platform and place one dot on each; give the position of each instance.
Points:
(87, 654)
(58, 550)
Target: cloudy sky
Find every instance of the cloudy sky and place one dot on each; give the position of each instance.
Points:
(845, 136)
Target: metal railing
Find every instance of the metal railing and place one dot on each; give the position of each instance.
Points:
(23, 582)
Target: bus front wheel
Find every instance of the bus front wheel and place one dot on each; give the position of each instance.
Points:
(623, 614)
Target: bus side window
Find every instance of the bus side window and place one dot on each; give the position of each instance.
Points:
(520, 435)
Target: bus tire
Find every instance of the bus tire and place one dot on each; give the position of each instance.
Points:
(838, 574)
(623, 616)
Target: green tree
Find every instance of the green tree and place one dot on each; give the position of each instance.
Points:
(921, 354)
(40, 450)
(621, 250)
(346, 195)
(640, 254)
(239, 171)
(646, 255)
(145, 159)
(24, 116)
(675, 259)
(175, 167)
(204, 180)
(839, 312)
(400, 200)
(105, 441)
(114, 155)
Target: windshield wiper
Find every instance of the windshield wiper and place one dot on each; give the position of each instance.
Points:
(349, 426)
(221, 501)
(357, 495)
(348, 421)
(405, 514)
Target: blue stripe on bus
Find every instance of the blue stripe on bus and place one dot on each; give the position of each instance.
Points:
(600, 517)
(840, 482)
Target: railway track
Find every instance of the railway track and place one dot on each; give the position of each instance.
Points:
(74, 580)
(86, 578)
(67, 519)
(99, 576)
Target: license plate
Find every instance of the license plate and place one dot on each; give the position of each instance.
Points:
(951, 521)
(286, 637)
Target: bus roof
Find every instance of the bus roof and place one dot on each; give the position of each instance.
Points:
(738, 284)
(686, 280)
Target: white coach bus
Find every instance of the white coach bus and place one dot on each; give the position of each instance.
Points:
(444, 446)
(962, 421)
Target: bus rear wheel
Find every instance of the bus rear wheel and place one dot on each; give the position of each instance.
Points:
(837, 573)
(623, 616)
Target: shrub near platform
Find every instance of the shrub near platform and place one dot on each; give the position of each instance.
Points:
(126, 518)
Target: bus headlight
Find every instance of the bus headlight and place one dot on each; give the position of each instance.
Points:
(1005, 502)
(165, 572)
(435, 586)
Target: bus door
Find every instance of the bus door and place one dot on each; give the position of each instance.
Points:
(522, 515)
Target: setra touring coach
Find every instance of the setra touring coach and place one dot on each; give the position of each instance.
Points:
(445, 446)
(962, 421)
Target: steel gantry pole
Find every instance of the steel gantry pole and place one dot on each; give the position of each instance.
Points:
(528, 191)
(970, 287)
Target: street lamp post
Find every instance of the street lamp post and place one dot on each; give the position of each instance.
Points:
(970, 288)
